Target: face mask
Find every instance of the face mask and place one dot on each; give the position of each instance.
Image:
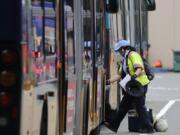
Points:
(118, 56)
(123, 52)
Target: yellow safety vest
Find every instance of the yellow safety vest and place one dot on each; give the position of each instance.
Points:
(135, 61)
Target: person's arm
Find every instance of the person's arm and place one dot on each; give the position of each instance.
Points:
(114, 78)
(137, 73)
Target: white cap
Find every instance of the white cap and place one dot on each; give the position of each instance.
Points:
(120, 44)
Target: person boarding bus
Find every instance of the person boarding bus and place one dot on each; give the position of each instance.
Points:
(136, 88)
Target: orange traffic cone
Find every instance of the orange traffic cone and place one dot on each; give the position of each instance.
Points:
(157, 64)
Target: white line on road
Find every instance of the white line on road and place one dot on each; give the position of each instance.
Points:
(165, 109)
(177, 100)
(164, 88)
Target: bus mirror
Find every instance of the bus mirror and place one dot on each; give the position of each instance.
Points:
(112, 6)
(150, 5)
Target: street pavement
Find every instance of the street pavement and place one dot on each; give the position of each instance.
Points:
(164, 98)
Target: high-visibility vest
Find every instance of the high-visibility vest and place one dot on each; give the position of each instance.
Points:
(134, 61)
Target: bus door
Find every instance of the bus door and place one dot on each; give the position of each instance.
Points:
(28, 93)
(68, 71)
(70, 68)
(87, 58)
(112, 94)
(44, 64)
(10, 67)
(93, 22)
(102, 45)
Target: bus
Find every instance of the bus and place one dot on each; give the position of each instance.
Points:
(64, 51)
(55, 58)
(52, 66)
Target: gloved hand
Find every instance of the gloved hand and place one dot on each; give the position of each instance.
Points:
(108, 82)
(133, 77)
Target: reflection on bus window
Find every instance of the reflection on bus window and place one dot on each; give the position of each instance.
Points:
(44, 50)
(87, 54)
(38, 32)
(69, 41)
(99, 29)
(49, 36)
(88, 44)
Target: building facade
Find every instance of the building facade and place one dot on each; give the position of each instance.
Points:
(164, 32)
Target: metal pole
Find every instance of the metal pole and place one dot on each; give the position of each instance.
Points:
(61, 71)
(140, 28)
(78, 30)
(131, 23)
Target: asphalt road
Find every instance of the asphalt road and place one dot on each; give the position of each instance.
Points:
(164, 98)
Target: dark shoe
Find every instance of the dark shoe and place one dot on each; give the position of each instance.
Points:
(150, 131)
(111, 127)
(111, 115)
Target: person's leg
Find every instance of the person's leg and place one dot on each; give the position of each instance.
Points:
(143, 114)
(124, 105)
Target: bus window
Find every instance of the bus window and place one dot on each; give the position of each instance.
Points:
(44, 50)
(87, 50)
(99, 49)
(70, 71)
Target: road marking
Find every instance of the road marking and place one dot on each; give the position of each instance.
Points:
(177, 100)
(165, 109)
(164, 88)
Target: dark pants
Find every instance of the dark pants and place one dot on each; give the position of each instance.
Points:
(126, 104)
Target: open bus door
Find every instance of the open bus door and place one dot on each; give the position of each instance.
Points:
(45, 64)
(68, 72)
(112, 94)
(93, 54)
(40, 65)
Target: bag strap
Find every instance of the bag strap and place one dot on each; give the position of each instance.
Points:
(126, 58)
